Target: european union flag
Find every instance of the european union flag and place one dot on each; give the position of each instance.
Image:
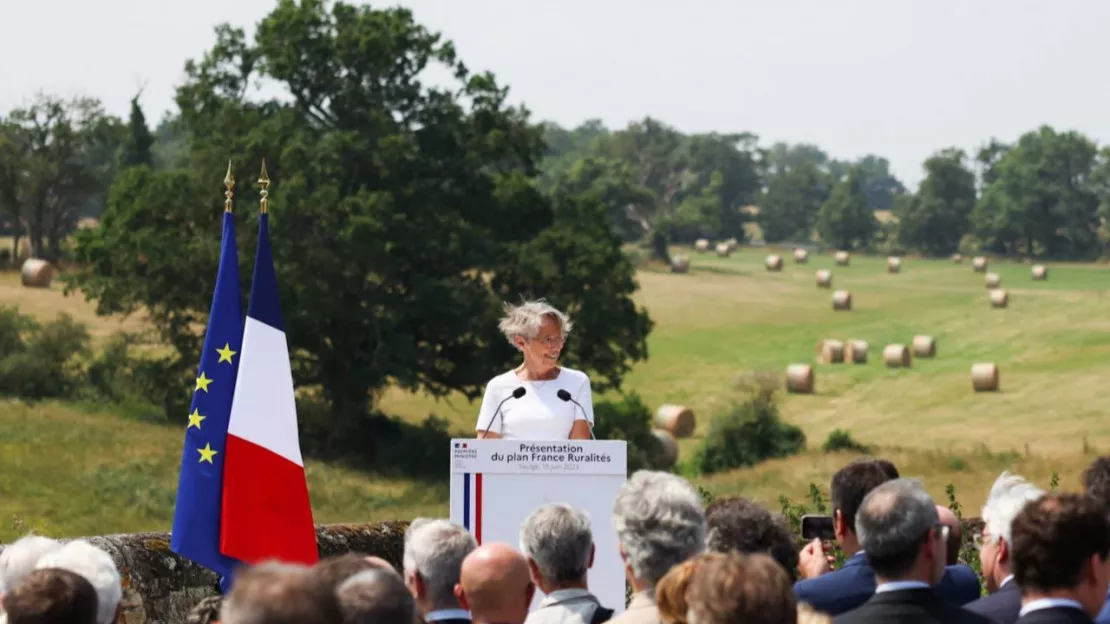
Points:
(196, 517)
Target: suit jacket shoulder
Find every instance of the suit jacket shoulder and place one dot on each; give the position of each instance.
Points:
(1057, 615)
(959, 585)
(839, 591)
(1002, 607)
(913, 606)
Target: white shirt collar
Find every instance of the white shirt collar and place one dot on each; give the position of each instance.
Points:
(1048, 603)
(1005, 580)
(447, 614)
(900, 585)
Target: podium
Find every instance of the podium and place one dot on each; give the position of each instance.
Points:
(496, 484)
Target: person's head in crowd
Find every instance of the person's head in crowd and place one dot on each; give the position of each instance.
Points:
(376, 596)
(888, 468)
(495, 585)
(670, 591)
(97, 567)
(955, 534)
(899, 529)
(434, 552)
(1007, 497)
(736, 523)
(849, 486)
(559, 545)
(1096, 481)
(660, 522)
(20, 557)
(753, 589)
(1062, 550)
(332, 571)
(278, 593)
(207, 611)
(51, 596)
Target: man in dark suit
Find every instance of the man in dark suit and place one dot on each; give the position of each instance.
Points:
(835, 592)
(1096, 481)
(433, 557)
(1061, 559)
(1007, 497)
(905, 541)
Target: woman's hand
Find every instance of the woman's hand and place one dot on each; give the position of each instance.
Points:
(488, 435)
(580, 430)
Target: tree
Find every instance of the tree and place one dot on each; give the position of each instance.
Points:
(613, 184)
(879, 183)
(136, 149)
(402, 214)
(937, 217)
(846, 220)
(793, 199)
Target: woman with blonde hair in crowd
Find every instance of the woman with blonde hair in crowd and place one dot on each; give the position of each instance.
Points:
(670, 591)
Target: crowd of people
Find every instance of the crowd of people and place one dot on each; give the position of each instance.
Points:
(1045, 558)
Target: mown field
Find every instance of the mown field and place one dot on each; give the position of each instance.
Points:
(72, 469)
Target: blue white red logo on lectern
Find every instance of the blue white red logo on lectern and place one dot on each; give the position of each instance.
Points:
(462, 451)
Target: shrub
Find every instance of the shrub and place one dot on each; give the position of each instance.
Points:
(750, 432)
(5, 258)
(47, 363)
(630, 420)
(842, 440)
(14, 328)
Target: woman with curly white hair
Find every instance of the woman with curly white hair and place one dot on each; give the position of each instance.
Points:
(538, 400)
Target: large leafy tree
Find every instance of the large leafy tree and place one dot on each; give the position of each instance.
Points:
(792, 201)
(402, 214)
(937, 217)
(846, 220)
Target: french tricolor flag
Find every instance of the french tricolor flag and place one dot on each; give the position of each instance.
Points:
(266, 512)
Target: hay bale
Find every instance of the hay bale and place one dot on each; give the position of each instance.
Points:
(678, 420)
(984, 377)
(957, 258)
(843, 258)
(999, 298)
(799, 379)
(842, 300)
(801, 256)
(723, 250)
(979, 264)
(773, 263)
(733, 244)
(924, 347)
(830, 351)
(36, 273)
(896, 356)
(1040, 272)
(680, 264)
(701, 245)
(824, 278)
(993, 280)
(668, 449)
(855, 351)
(893, 264)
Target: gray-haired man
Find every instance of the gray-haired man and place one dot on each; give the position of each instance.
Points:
(559, 545)
(434, 552)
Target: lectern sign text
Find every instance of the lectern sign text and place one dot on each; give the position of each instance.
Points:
(529, 457)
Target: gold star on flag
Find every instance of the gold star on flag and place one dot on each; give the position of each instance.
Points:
(225, 353)
(206, 453)
(195, 418)
(202, 382)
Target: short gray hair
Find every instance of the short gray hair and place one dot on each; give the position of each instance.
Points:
(20, 557)
(1007, 497)
(98, 568)
(891, 522)
(660, 522)
(524, 320)
(376, 597)
(558, 538)
(436, 548)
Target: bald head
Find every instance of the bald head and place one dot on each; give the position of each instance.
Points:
(495, 584)
(955, 533)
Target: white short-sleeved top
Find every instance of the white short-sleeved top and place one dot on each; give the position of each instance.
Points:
(540, 414)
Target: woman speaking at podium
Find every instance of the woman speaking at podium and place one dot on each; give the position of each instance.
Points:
(538, 400)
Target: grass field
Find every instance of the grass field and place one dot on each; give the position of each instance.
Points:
(69, 470)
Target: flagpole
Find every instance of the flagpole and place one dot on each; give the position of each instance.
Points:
(229, 183)
(264, 182)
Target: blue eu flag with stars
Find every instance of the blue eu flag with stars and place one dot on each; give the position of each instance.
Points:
(196, 516)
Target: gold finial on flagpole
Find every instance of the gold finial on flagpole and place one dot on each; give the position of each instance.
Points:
(264, 182)
(229, 182)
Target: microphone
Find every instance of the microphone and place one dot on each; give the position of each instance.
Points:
(565, 396)
(519, 392)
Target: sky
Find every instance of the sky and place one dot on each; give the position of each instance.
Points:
(897, 78)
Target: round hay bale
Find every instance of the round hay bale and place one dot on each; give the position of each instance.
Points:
(680, 264)
(843, 258)
(893, 264)
(824, 278)
(1040, 272)
(668, 449)
(984, 377)
(733, 244)
(830, 351)
(855, 351)
(678, 420)
(773, 263)
(999, 298)
(701, 245)
(993, 280)
(799, 379)
(842, 300)
(924, 347)
(979, 264)
(957, 258)
(801, 256)
(896, 356)
(36, 273)
(723, 250)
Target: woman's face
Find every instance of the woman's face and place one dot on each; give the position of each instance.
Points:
(542, 352)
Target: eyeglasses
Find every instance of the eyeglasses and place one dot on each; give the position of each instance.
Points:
(551, 341)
